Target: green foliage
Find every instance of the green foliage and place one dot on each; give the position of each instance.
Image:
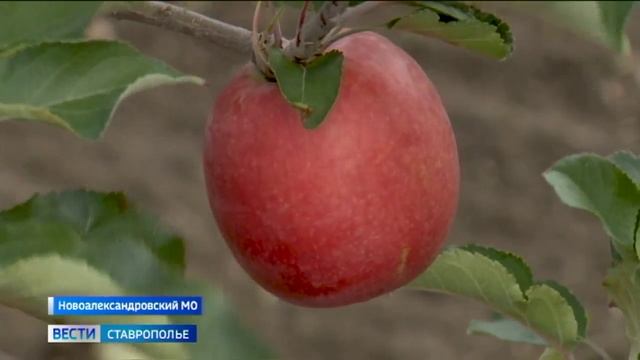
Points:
(578, 310)
(610, 189)
(505, 329)
(598, 185)
(77, 85)
(515, 264)
(629, 164)
(452, 21)
(551, 354)
(36, 21)
(614, 15)
(459, 24)
(313, 87)
(503, 281)
(89, 243)
(623, 285)
(602, 21)
(73, 84)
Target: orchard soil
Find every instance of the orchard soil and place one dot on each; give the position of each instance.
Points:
(558, 94)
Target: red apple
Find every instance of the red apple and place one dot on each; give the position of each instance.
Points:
(345, 212)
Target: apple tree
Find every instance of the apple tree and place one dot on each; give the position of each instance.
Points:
(330, 163)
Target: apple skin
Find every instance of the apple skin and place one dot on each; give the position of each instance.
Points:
(350, 210)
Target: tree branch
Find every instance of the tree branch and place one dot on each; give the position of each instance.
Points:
(178, 19)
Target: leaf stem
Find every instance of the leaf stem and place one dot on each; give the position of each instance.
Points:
(335, 36)
(301, 19)
(274, 24)
(313, 29)
(598, 349)
(257, 44)
(178, 19)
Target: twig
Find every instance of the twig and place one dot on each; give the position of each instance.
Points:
(184, 21)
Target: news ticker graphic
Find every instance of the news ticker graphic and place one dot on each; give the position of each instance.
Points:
(124, 305)
(130, 333)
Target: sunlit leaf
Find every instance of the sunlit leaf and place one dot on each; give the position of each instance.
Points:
(77, 85)
(593, 183)
(503, 281)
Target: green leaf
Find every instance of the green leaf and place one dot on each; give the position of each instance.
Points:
(459, 24)
(601, 21)
(579, 312)
(77, 85)
(88, 243)
(225, 336)
(629, 163)
(25, 285)
(505, 329)
(476, 276)
(313, 87)
(515, 264)
(551, 354)
(595, 184)
(37, 21)
(623, 285)
(550, 314)
(96, 217)
(491, 276)
(614, 15)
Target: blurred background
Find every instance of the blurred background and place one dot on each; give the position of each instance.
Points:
(558, 94)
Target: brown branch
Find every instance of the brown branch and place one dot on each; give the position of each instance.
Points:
(178, 19)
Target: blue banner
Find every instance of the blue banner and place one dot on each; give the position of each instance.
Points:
(125, 305)
(137, 333)
(129, 333)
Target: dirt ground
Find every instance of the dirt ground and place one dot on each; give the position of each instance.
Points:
(557, 95)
